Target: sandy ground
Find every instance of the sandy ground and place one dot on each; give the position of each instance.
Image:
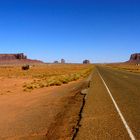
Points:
(48, 113)
(12, 85)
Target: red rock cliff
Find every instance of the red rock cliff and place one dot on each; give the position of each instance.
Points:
(135, 58)
(12, 56)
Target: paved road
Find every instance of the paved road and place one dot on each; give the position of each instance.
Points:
(101, 120)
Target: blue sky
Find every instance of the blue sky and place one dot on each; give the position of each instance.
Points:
(99, 30)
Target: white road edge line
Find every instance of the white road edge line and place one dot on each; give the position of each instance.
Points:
(119, 112)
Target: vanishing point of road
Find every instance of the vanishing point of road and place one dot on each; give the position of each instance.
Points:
(112, 109)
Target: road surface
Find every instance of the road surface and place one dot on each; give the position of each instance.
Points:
(112, 109)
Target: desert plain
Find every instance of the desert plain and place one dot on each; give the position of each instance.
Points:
(43, 102)
(47, 102)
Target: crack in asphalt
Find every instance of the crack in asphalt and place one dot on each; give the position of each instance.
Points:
(80, 117)
(83, 93)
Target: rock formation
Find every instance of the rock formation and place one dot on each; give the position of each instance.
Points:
(63, 61)
(26, 67)
(18, 58)
(12, 56)
(56, 62)
(135, 58)
(86, 62)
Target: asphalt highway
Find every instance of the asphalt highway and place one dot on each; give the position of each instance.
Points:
(112, 108)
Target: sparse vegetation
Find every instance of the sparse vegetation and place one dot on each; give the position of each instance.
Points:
(40, 76)
(127, 67)
(59, 76)
(25, 67)
(46, 75)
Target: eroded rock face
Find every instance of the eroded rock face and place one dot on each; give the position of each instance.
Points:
(12, 56)
(17, 59)
(63, 61)
(135, 57)
(86, 62)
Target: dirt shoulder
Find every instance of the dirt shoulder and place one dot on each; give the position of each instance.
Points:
(48, 113)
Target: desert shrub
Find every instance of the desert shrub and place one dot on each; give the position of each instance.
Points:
(58, 76)
(25, 67)
(64, 79)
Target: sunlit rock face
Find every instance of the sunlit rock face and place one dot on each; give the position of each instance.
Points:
(86, 62)
(12, 56)
(19, 58)
(135, 58)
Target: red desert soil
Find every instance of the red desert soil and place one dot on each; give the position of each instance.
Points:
(48, 113)
(12, 85)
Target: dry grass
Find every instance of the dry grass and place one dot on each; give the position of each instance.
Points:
(127, 67)
(55, 75)
(47, 75)
(40, 71)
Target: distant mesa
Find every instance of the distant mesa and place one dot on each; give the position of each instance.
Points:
(56, 62)
(18, 58)
(86, 62)
(63, 61)
(135, 58)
